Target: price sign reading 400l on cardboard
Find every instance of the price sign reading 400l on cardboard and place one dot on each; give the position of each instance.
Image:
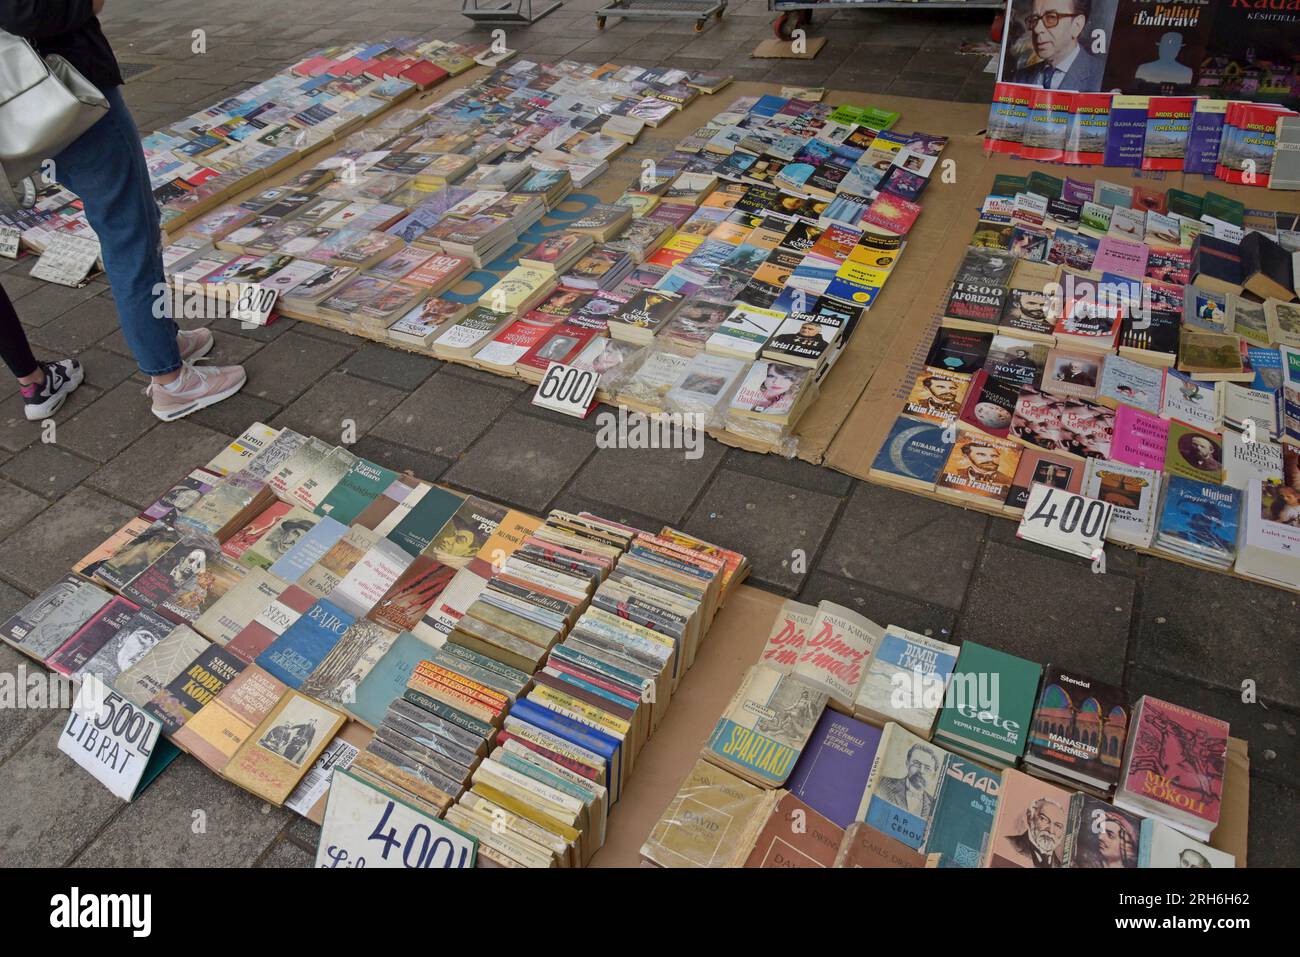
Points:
(366, 828)
(567, 389)
(1065, 520)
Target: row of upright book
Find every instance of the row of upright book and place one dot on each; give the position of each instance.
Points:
(289, 587)
(852, 745)
(1128, 345)
(1244, 143)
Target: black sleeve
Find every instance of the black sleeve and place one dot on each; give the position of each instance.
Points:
(43, 19)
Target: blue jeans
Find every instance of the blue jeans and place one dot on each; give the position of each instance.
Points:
(106, 168)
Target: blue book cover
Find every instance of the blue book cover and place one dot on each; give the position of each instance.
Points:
(1200, 519)
(963, 812)
(914, 451)
(831, 774)
(319, 540)
(1267, 364)
(768, 105)
(296, 653)
(562, 726)
(1203, 142)
(387, 680)
(1127, 133)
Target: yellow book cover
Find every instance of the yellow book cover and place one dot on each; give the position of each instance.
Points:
(507, 538)
(273, 759)
(580, 710)
(217, 729)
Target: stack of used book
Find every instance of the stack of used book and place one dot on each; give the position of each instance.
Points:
(893, 749)
(290, 587)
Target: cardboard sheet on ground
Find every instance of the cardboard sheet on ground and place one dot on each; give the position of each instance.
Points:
(737, 637)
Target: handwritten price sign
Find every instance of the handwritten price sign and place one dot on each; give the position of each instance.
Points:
(366, 828)
(1065, 520)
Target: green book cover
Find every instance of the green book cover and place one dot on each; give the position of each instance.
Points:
(1221, 207)
(1004, 184)
(364, 482)
(1044, 184)
(990, 700)
(1184, 203)
(420, 527)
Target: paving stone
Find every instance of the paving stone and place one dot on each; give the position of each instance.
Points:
(659, 482)
(45, 548)
(401, 459)
(401, 370)
(42, 305)
(905, 544)
(17, 507)
(268, 333)
(158, 828)
(47, 469)
(105, 369)
(289, 366)
(882, 607)
(156, 462)
(11, 600)
(229, 349)
(1272, 732)
(18, 285)
(767, 521)
(337, 399)
(286, 854)
(523, 461)
(110, 423)
(1119, 560)
(24, 714)
(444, 416)
(1273, 840)
(1049, 611)
(790, 471)
(16, 432)
(1220, 630)
(488, 378)
(64, 807)
(77, 329)
(231, 416)
(304, 833)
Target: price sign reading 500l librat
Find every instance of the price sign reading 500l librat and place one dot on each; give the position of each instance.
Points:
(567, 389)
(1065, 520)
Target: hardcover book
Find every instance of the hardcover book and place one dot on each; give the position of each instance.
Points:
(989, 725)
(1079, 729)
(1029, 829)
(912, 454)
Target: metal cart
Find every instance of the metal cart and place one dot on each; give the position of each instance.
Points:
(697, 10)
(507, 12)
(798, 13)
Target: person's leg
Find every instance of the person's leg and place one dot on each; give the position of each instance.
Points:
(44, 385)
(106, 168)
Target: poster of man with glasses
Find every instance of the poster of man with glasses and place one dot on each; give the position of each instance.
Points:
(1057, 44)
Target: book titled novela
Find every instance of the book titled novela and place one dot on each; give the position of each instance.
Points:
(831, 774)
(296, 653)
(964, 812)
(765, 727)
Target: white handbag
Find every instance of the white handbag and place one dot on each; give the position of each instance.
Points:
(45, 105)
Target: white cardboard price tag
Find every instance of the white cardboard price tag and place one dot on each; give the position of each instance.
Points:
(1066, 521)
(120, 745)
(253, 304)
(567, 390)
(10, 237)
(366, 828)
(67, 260)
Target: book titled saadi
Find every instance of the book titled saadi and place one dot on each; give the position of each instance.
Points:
(964, 812)
(765, 727)
(274, 758)
(990, 704)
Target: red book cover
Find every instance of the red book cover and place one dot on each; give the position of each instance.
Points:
(424, 74)
(1007, 115)
(892, 213)
(1089, 122)
(1231, 125)
(312, 66)
(1169, 125)
(562, 345)
(1047, 125)
(353, 67)
(1177, 758)
(1255, 144)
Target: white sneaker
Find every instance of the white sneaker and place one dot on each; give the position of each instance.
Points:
(197, 387)
(61, 378)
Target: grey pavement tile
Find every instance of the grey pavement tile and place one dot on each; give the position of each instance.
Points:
(1119, 560)
(1272, 840)
(47, 469)
(106, 426)
(47, 546)
(1272, 732)
(767, 521)
(1049, 612)
(105, 369)
(17, 507)
(339, 402)
(524, 403)
(304, 833)
(394, 367)
(27, 713)
(1220, 630)
(882, 607)
(77, 329)
(11, 600)
(490, 378)
(790, 471)
(229, 349)
(19, 285)
(267, 333)
(444, 415)
(284, 369)
(659, 482)
(16, 432)
(522, 461)
(153, 464)
(163, 826)
(67, 806)
(231, 416)
(331, 335)
(286, 854)
(906, 544)
(401, 459)
(47, 301)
